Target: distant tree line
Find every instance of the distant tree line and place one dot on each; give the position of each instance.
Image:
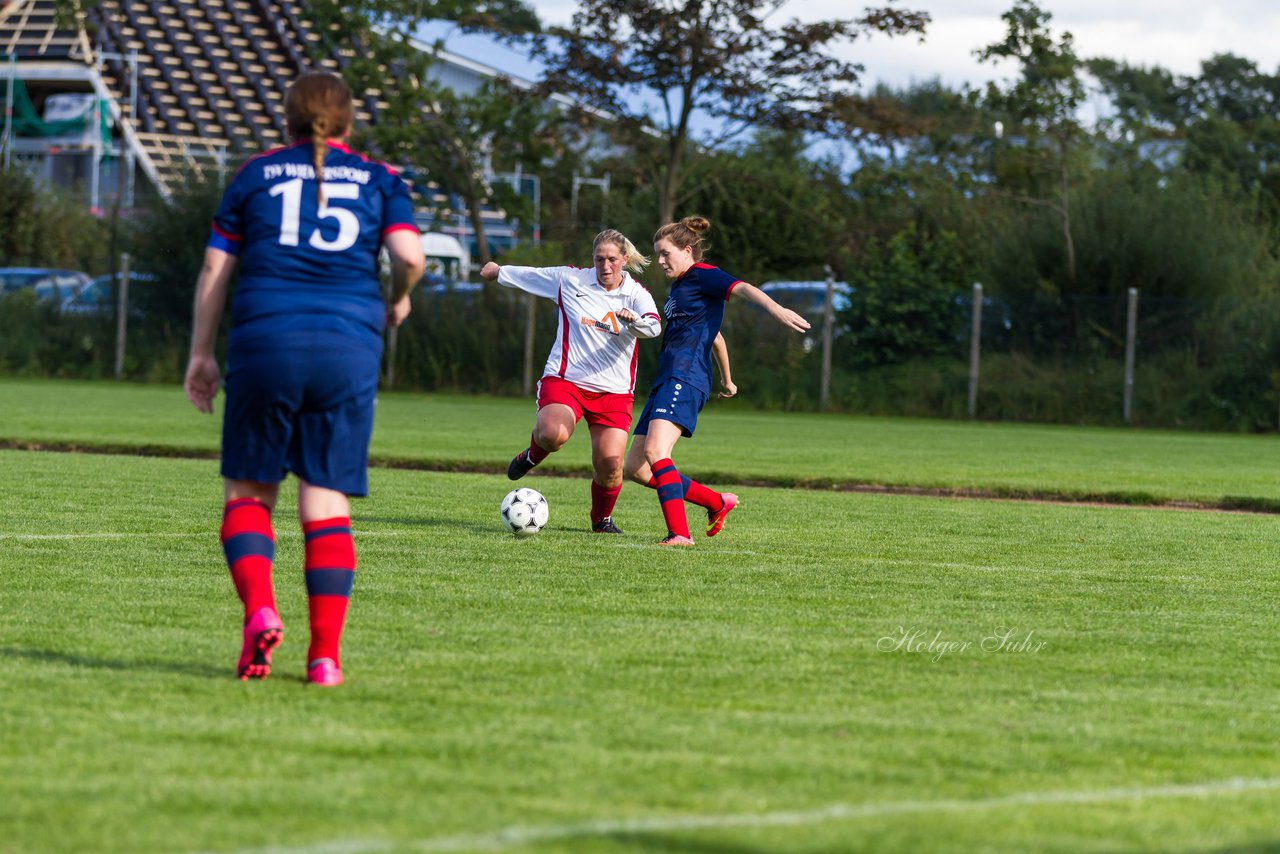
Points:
(1174, 189)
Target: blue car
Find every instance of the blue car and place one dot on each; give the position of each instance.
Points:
(48, 284)
(808, 298)
(95, 297)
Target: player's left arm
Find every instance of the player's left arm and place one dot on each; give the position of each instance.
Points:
(720, 352)
(403, 242)
(642, 316)
(785, 316)
(203, 377)
(407, 266)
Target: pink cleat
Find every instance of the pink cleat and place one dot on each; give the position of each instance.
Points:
(675, 540)
(715, 518)
(262, 633)
(324, 672)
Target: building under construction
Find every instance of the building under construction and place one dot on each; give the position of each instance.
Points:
(132, 97)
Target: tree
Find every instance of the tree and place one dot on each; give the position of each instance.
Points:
(452, 138)
(1222, 122)
(652, 65)
(1043, 104)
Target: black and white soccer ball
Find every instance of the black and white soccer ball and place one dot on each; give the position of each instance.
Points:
(524, 511)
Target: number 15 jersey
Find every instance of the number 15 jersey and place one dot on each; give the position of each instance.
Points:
(306, 268)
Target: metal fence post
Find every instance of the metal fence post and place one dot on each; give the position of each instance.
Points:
(828, 327)
(1130, 345)
(122, 314)
(975, 349)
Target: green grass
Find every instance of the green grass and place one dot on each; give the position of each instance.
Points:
(574, 693)
(731, 446)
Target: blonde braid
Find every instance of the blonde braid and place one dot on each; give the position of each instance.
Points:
(319, 148)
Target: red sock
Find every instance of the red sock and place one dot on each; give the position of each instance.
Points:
(695, 493)
(249, 546)
(330, 572)
(537, 453)
(603, 500)
(671, 497)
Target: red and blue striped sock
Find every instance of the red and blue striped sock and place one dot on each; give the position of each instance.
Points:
(695, 493)
(330, 573)
(250, 547)
(671, 497)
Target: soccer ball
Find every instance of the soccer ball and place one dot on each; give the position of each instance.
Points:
(524, 511)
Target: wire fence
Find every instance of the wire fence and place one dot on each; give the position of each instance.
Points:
(1117, 358)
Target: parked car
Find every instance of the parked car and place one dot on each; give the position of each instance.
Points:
(95, 297)
(434, 284)
(47, 284)
(808, 298)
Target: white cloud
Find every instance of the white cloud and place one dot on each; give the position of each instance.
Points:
(1176, 34)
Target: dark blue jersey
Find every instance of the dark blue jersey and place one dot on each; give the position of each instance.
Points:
(694, 310)
(306, 269)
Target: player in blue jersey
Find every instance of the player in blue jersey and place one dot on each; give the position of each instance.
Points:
(306, 223)
(694, 311)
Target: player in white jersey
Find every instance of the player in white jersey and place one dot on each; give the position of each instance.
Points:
(591, 370)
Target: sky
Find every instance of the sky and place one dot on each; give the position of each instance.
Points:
(1175, 34)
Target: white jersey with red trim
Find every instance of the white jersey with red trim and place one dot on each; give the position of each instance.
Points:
(593, 349)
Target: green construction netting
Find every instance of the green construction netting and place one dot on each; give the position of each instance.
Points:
(25, 121)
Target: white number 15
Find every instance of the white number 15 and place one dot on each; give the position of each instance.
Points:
(291, 215)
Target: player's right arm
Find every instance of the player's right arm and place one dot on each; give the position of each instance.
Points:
(225, 244)
(539, 281)
(203, 376)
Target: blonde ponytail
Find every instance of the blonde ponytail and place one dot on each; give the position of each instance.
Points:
(635, 261)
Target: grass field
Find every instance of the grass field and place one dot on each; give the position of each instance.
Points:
(732, 445)
(835, 672)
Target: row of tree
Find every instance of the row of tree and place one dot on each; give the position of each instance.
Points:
(1172, 190)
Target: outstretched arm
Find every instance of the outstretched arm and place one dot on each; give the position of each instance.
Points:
(539, 281)
(785, 316)
(203, 377)
(720, 352)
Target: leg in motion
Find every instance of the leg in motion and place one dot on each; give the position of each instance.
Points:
(554, 427)
(658, 446)
(248, 543)
(607, 444)
(330, 573)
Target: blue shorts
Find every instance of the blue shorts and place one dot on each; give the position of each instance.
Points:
(307, 411)
(676, 401)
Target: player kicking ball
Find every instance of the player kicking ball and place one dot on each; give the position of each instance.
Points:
(591, 370)
(694, 312)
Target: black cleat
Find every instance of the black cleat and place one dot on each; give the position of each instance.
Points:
(520, 465)
(605, 526)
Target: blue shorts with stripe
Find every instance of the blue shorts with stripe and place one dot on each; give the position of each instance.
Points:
(676, 401)
(305, 410)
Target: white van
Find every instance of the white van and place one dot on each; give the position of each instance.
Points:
(446, 257)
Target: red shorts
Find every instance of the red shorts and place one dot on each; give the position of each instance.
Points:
(608, 409)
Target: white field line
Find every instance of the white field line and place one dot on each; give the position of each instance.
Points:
(212, 536)
(520, 835)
